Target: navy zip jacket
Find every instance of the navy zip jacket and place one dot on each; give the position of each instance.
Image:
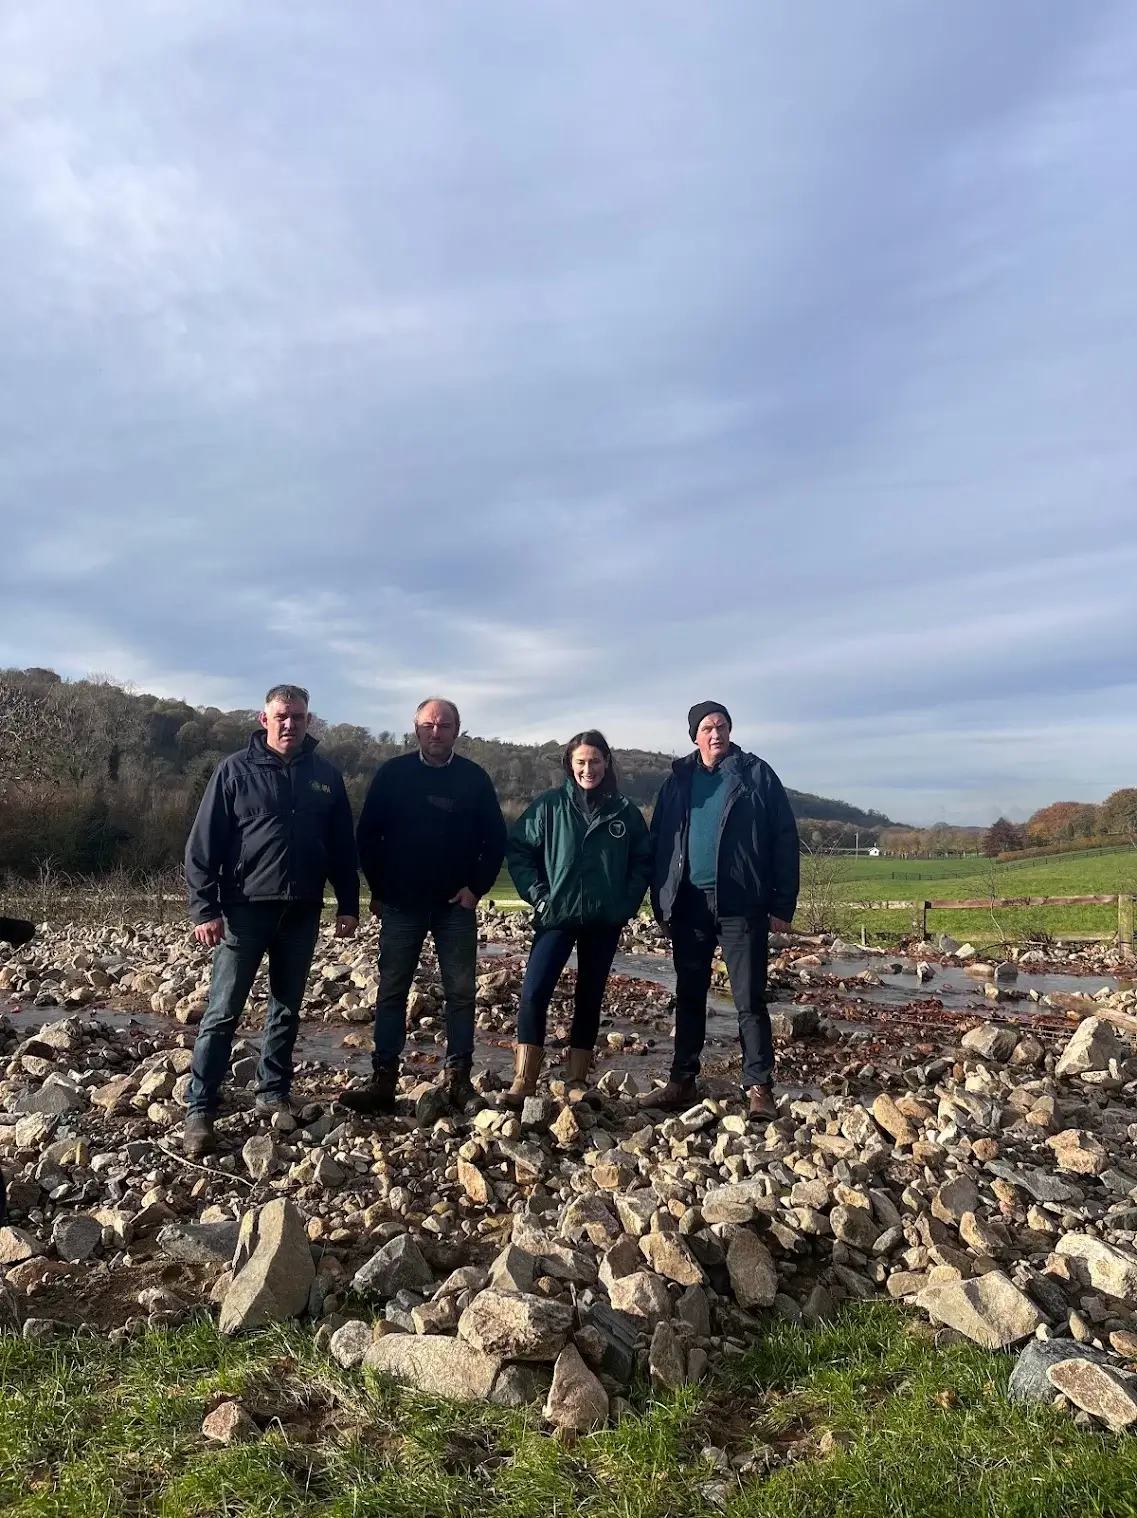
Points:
(757, 866)
(426, 831)
(267, 830)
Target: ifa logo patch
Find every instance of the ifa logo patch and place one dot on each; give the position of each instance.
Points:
(617, 828)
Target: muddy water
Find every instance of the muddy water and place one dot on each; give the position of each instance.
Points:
(829, 986)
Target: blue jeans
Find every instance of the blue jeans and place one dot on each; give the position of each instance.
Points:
(286, 931)
(401, 937)
(595, 949)
(696, 928)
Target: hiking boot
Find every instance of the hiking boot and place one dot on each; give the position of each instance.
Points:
(378, 1096)
(527, 1062)
(458, 1086)
(762, 1108)
(577, 1066)
(673, 1096)
(274, 1106)
(197, 1135)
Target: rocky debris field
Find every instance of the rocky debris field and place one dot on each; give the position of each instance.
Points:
(980, 1173)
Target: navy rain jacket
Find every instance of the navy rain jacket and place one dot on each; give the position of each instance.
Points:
(758, 865)
(267, 830)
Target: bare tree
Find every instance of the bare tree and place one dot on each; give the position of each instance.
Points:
(31, 732)
(821, 899)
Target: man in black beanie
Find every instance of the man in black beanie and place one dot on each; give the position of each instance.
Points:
(725, 850)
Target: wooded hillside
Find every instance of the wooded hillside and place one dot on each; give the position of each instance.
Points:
(94, 776)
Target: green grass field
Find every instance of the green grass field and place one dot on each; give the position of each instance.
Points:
(964, 879)
(864, 879)
(864, 1418)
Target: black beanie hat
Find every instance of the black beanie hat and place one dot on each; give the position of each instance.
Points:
(704, 709)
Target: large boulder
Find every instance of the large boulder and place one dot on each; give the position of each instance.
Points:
(273, 1284)
(1029, 1380)
(1092, 1046)
(398, 1266)
(576, 1400)
(1078, 1152)
(669, 1256)
(640, 1294)
(738, 1203)
(990, 1309)
(436, 1364)
(991, 1042)
(200, 1243)
(1105, 1267)
(1100, 1390)
(516, 1325)
(753, 1274)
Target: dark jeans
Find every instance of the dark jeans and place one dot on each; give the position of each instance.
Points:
(695, 930)
(595, 949)
(286, 931)
(401, 937)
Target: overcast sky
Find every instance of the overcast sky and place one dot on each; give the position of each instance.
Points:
(582, 362)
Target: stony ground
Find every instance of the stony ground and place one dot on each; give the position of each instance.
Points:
(979, 1173)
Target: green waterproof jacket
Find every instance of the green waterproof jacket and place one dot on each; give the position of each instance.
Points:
(575, 869)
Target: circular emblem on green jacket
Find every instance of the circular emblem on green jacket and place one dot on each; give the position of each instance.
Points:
(617, 828)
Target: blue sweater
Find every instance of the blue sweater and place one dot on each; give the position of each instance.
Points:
(708, 793)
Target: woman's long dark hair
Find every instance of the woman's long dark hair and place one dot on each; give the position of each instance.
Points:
(591, 738)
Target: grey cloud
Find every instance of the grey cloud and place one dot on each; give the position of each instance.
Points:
(581, 364)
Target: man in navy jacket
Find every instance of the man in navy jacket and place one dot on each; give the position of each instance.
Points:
(726, 869)
(431, 843)
(273, 826)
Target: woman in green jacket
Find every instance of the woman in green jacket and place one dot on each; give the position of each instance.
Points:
(581, 857)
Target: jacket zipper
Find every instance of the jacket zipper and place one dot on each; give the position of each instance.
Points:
(291, 826)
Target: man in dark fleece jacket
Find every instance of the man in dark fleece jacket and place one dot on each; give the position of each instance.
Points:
(273, 826)
(725, 871)
(431, 843)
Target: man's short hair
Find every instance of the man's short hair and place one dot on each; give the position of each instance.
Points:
(286, 693)
(440, 701)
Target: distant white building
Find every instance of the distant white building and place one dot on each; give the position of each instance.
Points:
(874, 853)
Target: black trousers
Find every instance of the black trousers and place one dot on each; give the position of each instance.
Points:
(696, 929)
(595, 946)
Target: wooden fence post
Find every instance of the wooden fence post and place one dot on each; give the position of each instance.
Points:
(1125, 922)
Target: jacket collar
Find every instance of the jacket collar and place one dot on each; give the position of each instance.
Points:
(613, 801)
(259, 752)
(731, 763)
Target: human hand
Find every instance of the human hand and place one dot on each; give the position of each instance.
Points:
(779, 925)
(464, 898)
(346, 925)
(210, 933)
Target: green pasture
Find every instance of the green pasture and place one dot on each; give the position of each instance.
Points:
(862, 1418)
(860, 879)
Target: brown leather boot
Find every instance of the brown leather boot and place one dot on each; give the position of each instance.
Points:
(577, 1066)
(675, 1094)
(198, 1138)
(762, 1108)
(527, 1062)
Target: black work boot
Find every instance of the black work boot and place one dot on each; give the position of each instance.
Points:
(459, 1086)
(378, 1096)
(197, 1136)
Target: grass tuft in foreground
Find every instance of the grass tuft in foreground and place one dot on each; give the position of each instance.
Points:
(864, 1417)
